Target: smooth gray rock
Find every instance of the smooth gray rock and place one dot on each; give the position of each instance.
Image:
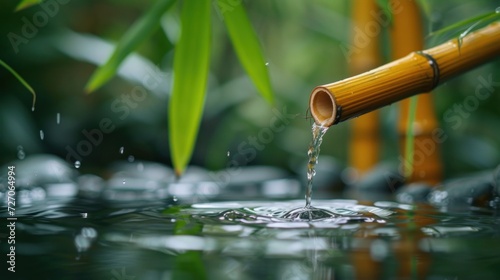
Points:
(384, 178)
(40, 169)
(474, 189)
(414, 192)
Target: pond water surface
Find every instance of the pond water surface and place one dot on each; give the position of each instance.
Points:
(140, 223)
(85, 239)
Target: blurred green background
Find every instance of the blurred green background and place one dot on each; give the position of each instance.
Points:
(303, 42)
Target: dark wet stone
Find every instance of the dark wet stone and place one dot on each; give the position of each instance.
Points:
(384, 178)
(476, 189)
(143, 169)
(39, 177)
(414, 192)
(196, 184)
(41, 169)
(137, 182)
(496, 180)
(90, 186)
(250, 182)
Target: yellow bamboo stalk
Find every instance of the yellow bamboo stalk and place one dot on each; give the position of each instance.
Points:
(407, 36)
(415, 73)
(365, 144)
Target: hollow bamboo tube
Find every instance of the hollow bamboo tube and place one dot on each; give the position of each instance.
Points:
(407, 36)
(365, 143)
(415, 73)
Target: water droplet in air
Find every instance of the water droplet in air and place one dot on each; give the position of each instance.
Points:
(20, 152)
(131, 158)
(41, 134)
(58, 118)
(124, 181)
(78, 164)
(84, 215)
(33, 108)
(267, 63)
(121, 150)
(228, 153)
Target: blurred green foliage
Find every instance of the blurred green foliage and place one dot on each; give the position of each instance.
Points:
(302, 42)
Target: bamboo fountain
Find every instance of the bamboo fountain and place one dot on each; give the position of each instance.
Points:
(418, 72)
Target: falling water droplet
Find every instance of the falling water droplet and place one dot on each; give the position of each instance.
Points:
(267, 63)
(78, 164)
(20, 152)
(122, 149)
(58, 118)
(124, 181)
(84, 215)
(33, 108)
(131, 158)
(228, 153)
(41, 134)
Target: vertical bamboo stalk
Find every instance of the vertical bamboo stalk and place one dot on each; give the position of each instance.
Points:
(365, 144)
(406, 37)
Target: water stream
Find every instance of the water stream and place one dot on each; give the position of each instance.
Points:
(308, 212)
(318, 131)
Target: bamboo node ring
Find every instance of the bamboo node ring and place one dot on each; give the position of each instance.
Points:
(434, 65)
(338, 114)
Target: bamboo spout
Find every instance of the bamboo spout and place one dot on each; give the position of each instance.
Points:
(416, 73)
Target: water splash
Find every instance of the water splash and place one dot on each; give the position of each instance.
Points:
(327, 213)
(78, 164)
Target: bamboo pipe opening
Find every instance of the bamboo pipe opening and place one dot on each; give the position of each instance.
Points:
(415, 73)
(323, 106)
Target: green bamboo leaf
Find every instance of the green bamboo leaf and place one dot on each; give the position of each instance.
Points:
(139, 31)
(21, 80)
(385, 7)
(23, 4)
(248, 49)
(191, 61)
(426, 7)
(462, 28)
